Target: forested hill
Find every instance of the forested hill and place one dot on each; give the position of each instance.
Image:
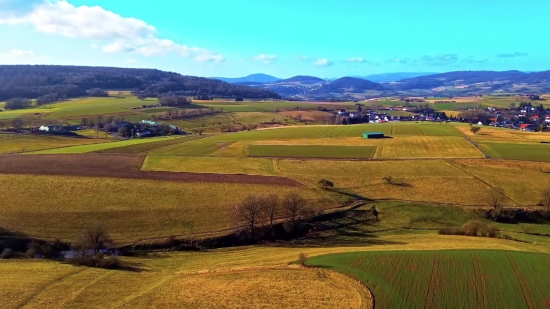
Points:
(71, 81)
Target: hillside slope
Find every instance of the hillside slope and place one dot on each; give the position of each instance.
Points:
(71, 81)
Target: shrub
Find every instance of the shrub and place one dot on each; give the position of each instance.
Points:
(30, 253)
(302, 259)
(473, 227)
(494, 232)
(96, 261)
(7, 254)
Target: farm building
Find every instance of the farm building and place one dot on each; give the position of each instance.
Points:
(373, 135)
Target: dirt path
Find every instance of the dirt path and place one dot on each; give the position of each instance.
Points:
(487, 156)
(467, 172)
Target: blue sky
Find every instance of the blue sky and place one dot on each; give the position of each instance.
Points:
(325, 38)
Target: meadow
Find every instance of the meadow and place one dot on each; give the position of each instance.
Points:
(133, 210)
(498, 279)
(111, 145)
(10, 143)
(517, 151)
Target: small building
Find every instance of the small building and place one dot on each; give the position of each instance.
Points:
(373, 135)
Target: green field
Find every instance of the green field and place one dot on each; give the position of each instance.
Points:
(448, 279)
(10, 143)
(146, 147)
(338, 152)
(103, 146)
(518, 151)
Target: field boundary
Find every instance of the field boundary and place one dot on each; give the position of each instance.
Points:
(459, 166)
(487, 156)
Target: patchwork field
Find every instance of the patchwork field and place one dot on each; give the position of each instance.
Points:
(104, 146)
(495, 279)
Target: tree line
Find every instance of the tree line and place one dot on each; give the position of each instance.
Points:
(32, 81)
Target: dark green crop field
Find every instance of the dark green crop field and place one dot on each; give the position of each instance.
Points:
(312, 151)
(517, 151)
(448, 279)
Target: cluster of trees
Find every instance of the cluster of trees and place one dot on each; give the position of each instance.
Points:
(174, 100)
(72, 81)
(18, 103)
(50, 98)
(98, 92)
(184, 113)
(253, 210)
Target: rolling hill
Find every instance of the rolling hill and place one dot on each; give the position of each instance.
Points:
(253, 78)
(32, 81)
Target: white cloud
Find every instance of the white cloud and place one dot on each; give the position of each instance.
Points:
(323, 62)
(266, 59)
(301, 58)
(18, 56)
(131, 61)
(117, 47)
(118, 34)
(357, 60)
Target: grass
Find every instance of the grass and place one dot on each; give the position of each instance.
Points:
(201, 147)
(24, 143)
(249, 166)
(60, 207)
(45, 284)
(518, 151)
(491, 279)
(312, 151)
(146, 147)
(103, 146)
(434, 181)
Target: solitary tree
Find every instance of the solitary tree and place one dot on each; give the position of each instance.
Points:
(475, 129)
(495, 198)
(325, 184)
(96, 129)
(249, 212)
(17, 123)
(93, 240)
(84, 122)
(293, 207)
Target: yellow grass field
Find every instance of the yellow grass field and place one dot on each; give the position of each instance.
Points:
(133, 210)
(522, 181)
(434, 181)
(25, 143)
(249, 166)
(504, 135)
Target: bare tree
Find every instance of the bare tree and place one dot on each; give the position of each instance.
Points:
(495, 198)
(93, 239)
(546, 200)
(249, 212)
(96, 129)
(293, 207)
(272, 204)
(17, 123)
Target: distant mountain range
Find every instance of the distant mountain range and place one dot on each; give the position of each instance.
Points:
(254, 78)
(402, 84)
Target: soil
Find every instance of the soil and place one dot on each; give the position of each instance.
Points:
(119, 166)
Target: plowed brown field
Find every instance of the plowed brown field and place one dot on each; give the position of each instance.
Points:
(119, 166)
